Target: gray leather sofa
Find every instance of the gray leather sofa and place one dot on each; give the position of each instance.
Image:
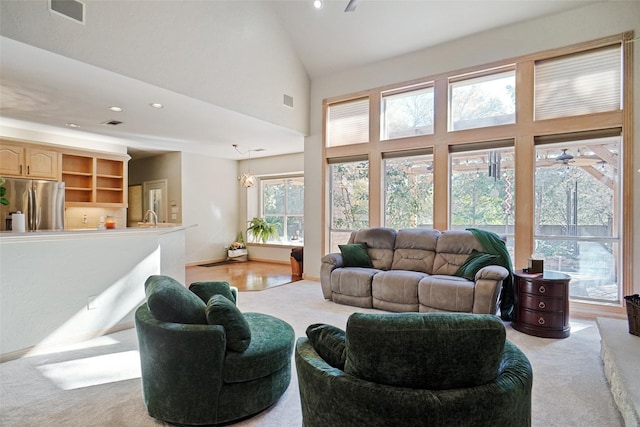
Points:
(413, 270)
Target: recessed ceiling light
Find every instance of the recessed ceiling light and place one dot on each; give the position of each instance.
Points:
(156, 105)
(317, 4)
(116, 109)
(72, 125)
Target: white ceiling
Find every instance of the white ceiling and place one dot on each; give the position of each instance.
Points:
(45, 88)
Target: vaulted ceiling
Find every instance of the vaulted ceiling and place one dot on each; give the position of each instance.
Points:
(224, 70)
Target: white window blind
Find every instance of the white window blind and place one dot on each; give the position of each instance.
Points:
(579, 84)
(348, 123)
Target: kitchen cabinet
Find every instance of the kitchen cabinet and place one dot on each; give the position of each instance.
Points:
(94, 181)
(19, 161)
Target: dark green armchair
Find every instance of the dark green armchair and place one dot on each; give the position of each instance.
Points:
(413, 369)
(203, 362)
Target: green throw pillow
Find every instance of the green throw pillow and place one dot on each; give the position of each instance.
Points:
(205, 290)
(355, 255)
(329, 342)
(221, 311)
(169, 301)
(474, 263)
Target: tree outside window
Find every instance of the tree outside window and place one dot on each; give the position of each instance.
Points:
(283, 205)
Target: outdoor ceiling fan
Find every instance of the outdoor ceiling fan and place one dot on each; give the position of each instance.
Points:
(565, 157)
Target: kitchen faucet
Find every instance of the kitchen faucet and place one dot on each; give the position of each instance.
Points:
(153, 216)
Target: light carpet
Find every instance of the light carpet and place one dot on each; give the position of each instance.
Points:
(98, 384)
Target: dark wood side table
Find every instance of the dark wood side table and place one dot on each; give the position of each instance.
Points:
(542, 304)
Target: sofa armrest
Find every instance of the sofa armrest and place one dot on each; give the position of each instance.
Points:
(488, 287)
(329, 263)
(492, 272)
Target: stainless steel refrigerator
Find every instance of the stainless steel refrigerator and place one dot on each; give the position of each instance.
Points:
(41, 201)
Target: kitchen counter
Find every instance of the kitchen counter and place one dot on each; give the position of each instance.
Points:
(60, 287)
(9, 236)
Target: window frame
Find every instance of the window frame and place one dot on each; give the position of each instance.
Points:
(523, 132)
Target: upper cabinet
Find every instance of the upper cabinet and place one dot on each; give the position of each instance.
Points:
(94, 180)
(28, 162)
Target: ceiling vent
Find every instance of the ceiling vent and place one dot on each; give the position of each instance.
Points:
(112, 123)
(288, 101)
(72, 9)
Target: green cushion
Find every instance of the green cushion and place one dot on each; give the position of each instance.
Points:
(329, 342)
(435, 351)
(270, 350)
(221, 311)
(355, 255)
(169, 301)
(474, 263)
(205, 290)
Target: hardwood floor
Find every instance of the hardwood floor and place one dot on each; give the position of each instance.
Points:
(247, 276)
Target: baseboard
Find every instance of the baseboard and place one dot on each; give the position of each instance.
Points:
(54, 347)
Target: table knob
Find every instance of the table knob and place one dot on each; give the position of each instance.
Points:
(542, 304)
(542, 289)
(541, 321)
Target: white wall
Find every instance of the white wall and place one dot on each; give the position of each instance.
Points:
(580, 25)
(46, 282)
(245, 64)
(210, 200)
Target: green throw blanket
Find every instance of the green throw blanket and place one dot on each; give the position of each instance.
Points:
(496, 254)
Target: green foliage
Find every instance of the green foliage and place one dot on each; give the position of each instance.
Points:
(3, 191)
(261, 230)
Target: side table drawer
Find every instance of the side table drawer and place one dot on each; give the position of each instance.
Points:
(541, 319)
(540, 303)
(538, 288)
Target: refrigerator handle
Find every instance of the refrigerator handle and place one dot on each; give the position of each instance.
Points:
(31, 206)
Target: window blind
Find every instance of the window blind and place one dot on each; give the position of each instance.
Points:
(579, 84)
(348, 122)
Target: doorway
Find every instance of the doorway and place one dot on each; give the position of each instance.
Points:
(155, 198)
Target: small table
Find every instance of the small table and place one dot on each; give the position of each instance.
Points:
(542, 304)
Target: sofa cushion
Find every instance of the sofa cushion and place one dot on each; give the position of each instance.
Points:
(329, 342)
(474, 263)
(355, 255)
(380, 244)
(205, 290)
(170, 301)
(396, 290)
(435, 351)
(415, 249)
(446, 293)
(221, 311)
(453, 249)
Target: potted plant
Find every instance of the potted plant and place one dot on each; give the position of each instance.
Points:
(261, 230)
(3, 191)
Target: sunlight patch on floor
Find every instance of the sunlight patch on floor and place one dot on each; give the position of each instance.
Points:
(92, 371)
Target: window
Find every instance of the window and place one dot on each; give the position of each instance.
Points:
(348, 122)
(577, 215)
(407, 113)
(482, 191)
(579, 84)
(349, 200)
(408, 192)
(283, 205)
(489, 100)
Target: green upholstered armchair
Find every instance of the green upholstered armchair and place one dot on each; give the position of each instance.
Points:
(203, 362)
(413, 369)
